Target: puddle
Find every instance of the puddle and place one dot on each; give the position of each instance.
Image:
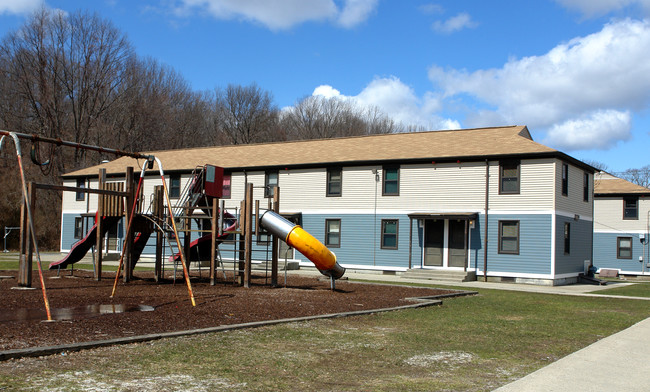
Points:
(70, 313)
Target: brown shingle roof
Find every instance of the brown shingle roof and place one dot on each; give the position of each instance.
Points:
(434, 145)
(607, 184)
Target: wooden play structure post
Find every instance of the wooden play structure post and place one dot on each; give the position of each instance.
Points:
(241, 253)
(275, 245)
(248, 234)
(187, 233)
(128, 240)
(214, 221)
(159, 214)
(99, 240)
(26, 245)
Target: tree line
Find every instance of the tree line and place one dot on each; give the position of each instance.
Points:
(77, 77)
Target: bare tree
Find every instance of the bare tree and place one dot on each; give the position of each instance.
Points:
(60, 76)
(68, 70)
(244, 114)
(639, 176)
(157, 110)
(598, 165)
(317, 117)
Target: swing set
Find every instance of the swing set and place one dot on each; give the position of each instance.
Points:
(28, 233)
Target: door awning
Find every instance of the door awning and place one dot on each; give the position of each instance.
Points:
(445, 215)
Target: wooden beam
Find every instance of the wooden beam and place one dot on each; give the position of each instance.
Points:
(99, 239)
(159, 214)
(128, 241)
(248, 235)
(275, 245)
(84, 190)
(213, 244)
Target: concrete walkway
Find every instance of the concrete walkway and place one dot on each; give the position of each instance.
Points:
(620, 362)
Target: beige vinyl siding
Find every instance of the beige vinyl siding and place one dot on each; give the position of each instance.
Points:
(69, 202)
(535, 187)
(574, 202)
(609, 215)
(448, 187)
(305, 189)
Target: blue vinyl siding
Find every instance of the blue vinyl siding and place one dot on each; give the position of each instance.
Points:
(581, 244)
(534, 245)
(360, 242)
(605, 247)
(67, 231)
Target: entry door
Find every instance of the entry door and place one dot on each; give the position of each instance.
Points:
(434, 242)
(457, 243)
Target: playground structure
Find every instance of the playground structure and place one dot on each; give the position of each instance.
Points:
(198, 203)
(203, 193)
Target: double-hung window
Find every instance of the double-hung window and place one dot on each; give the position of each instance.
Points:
(509, 237)
(175, 186)
(333, 233)
(227, 178)
(631, 208)
(624, 247)
(334, 181)
(270, 181)
(390, 186)
(80, 196)
(78, 227)
(565, 179)
(389, 233)
(509, 173)
(567, 238)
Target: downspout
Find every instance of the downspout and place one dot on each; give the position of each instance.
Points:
(485, 229)
(593, 217)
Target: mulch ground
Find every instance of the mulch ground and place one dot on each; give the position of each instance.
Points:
(76, 301)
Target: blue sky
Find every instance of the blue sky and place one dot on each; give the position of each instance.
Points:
(576, 72)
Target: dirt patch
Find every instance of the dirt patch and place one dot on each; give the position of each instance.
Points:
(89, 314)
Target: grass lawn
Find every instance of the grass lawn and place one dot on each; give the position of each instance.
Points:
(9, 261)
(472, 343)
(635, 290)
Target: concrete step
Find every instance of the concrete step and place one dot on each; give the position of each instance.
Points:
(440, 275)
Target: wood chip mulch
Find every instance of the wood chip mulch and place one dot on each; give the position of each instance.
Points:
(75, 301)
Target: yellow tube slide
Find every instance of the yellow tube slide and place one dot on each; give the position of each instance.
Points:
(313, 249)
(296, 237)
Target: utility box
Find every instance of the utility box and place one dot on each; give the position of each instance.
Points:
(213, 180)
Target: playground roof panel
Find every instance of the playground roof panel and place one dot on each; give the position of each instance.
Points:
(512, 141)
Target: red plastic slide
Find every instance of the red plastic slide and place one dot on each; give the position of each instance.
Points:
(81, 247)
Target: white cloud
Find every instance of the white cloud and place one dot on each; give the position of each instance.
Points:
(591, 8)
(19, 6)
(355, 12)
(282, 15)
(326, 91)
(598, 130)
(454, 24)
(398, 101)
(604, 71)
